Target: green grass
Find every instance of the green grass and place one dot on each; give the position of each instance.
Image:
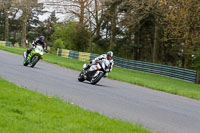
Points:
(149, 80)
(25, 111)
(157, 82)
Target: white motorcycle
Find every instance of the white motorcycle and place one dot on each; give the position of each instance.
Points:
(95, 72)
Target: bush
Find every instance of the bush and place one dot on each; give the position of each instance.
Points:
(58, 44)
(72, 35)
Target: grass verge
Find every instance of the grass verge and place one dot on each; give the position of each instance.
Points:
(153, 81)
(25, 111)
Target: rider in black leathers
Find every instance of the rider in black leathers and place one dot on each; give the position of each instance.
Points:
(39, 41)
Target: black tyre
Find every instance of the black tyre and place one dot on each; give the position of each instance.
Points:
(25, 62)
(34, 60)
(81, 77)
(96, 79)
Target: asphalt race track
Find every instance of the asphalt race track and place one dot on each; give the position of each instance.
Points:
(158, 111)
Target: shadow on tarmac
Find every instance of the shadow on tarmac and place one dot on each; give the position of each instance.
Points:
(96, 84)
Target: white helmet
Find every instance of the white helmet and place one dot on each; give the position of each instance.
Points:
(110, 55)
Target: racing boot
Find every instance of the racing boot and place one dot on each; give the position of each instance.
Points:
(26, 55)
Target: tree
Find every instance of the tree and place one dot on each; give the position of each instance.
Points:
(46, 29)
(49, 25)
(58, 44)
(26, 6)
(6, 6)
(79, 9)
(181, 21)
(72, 35)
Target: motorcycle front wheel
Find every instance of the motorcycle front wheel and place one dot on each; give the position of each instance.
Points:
(81, 77)
(25, 62)
(97, 78)
(34, 60)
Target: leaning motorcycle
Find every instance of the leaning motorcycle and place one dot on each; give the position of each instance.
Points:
(34, 56)
(95, 72)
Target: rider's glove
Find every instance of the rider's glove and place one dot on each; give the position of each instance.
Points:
(107, 70)
(33, 45)
(45, 50)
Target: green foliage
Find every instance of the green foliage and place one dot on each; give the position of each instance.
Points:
(120, 27)
(81, 39)
(33, 25)
(196, 61)
(65, 33)
(46, 28)
(2, 27)
(58, 44)
(97, 49)
(73, 36)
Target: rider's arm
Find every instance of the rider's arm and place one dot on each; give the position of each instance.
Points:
(96, 59)
(35, 42)
(110, 69)
(111, 65)
(103, 56)
(45, 46)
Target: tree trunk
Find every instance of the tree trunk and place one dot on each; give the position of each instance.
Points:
(198, 77)
(156, 41)
(24, 29)
(82, 8)
(6, 25)
(98, 25)
(185, 61)
(90, 40)
(14, 36)
(113, 29)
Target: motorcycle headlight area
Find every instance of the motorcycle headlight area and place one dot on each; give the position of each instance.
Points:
(40, 48)
(37, 50)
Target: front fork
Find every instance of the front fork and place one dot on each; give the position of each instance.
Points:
(96, 74)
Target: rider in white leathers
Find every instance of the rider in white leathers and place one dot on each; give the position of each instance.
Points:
(108, 56)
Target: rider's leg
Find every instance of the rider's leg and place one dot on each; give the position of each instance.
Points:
(29, 51)
(89, 65)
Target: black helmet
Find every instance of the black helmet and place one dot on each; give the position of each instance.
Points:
(110, 55)
(41, 38)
